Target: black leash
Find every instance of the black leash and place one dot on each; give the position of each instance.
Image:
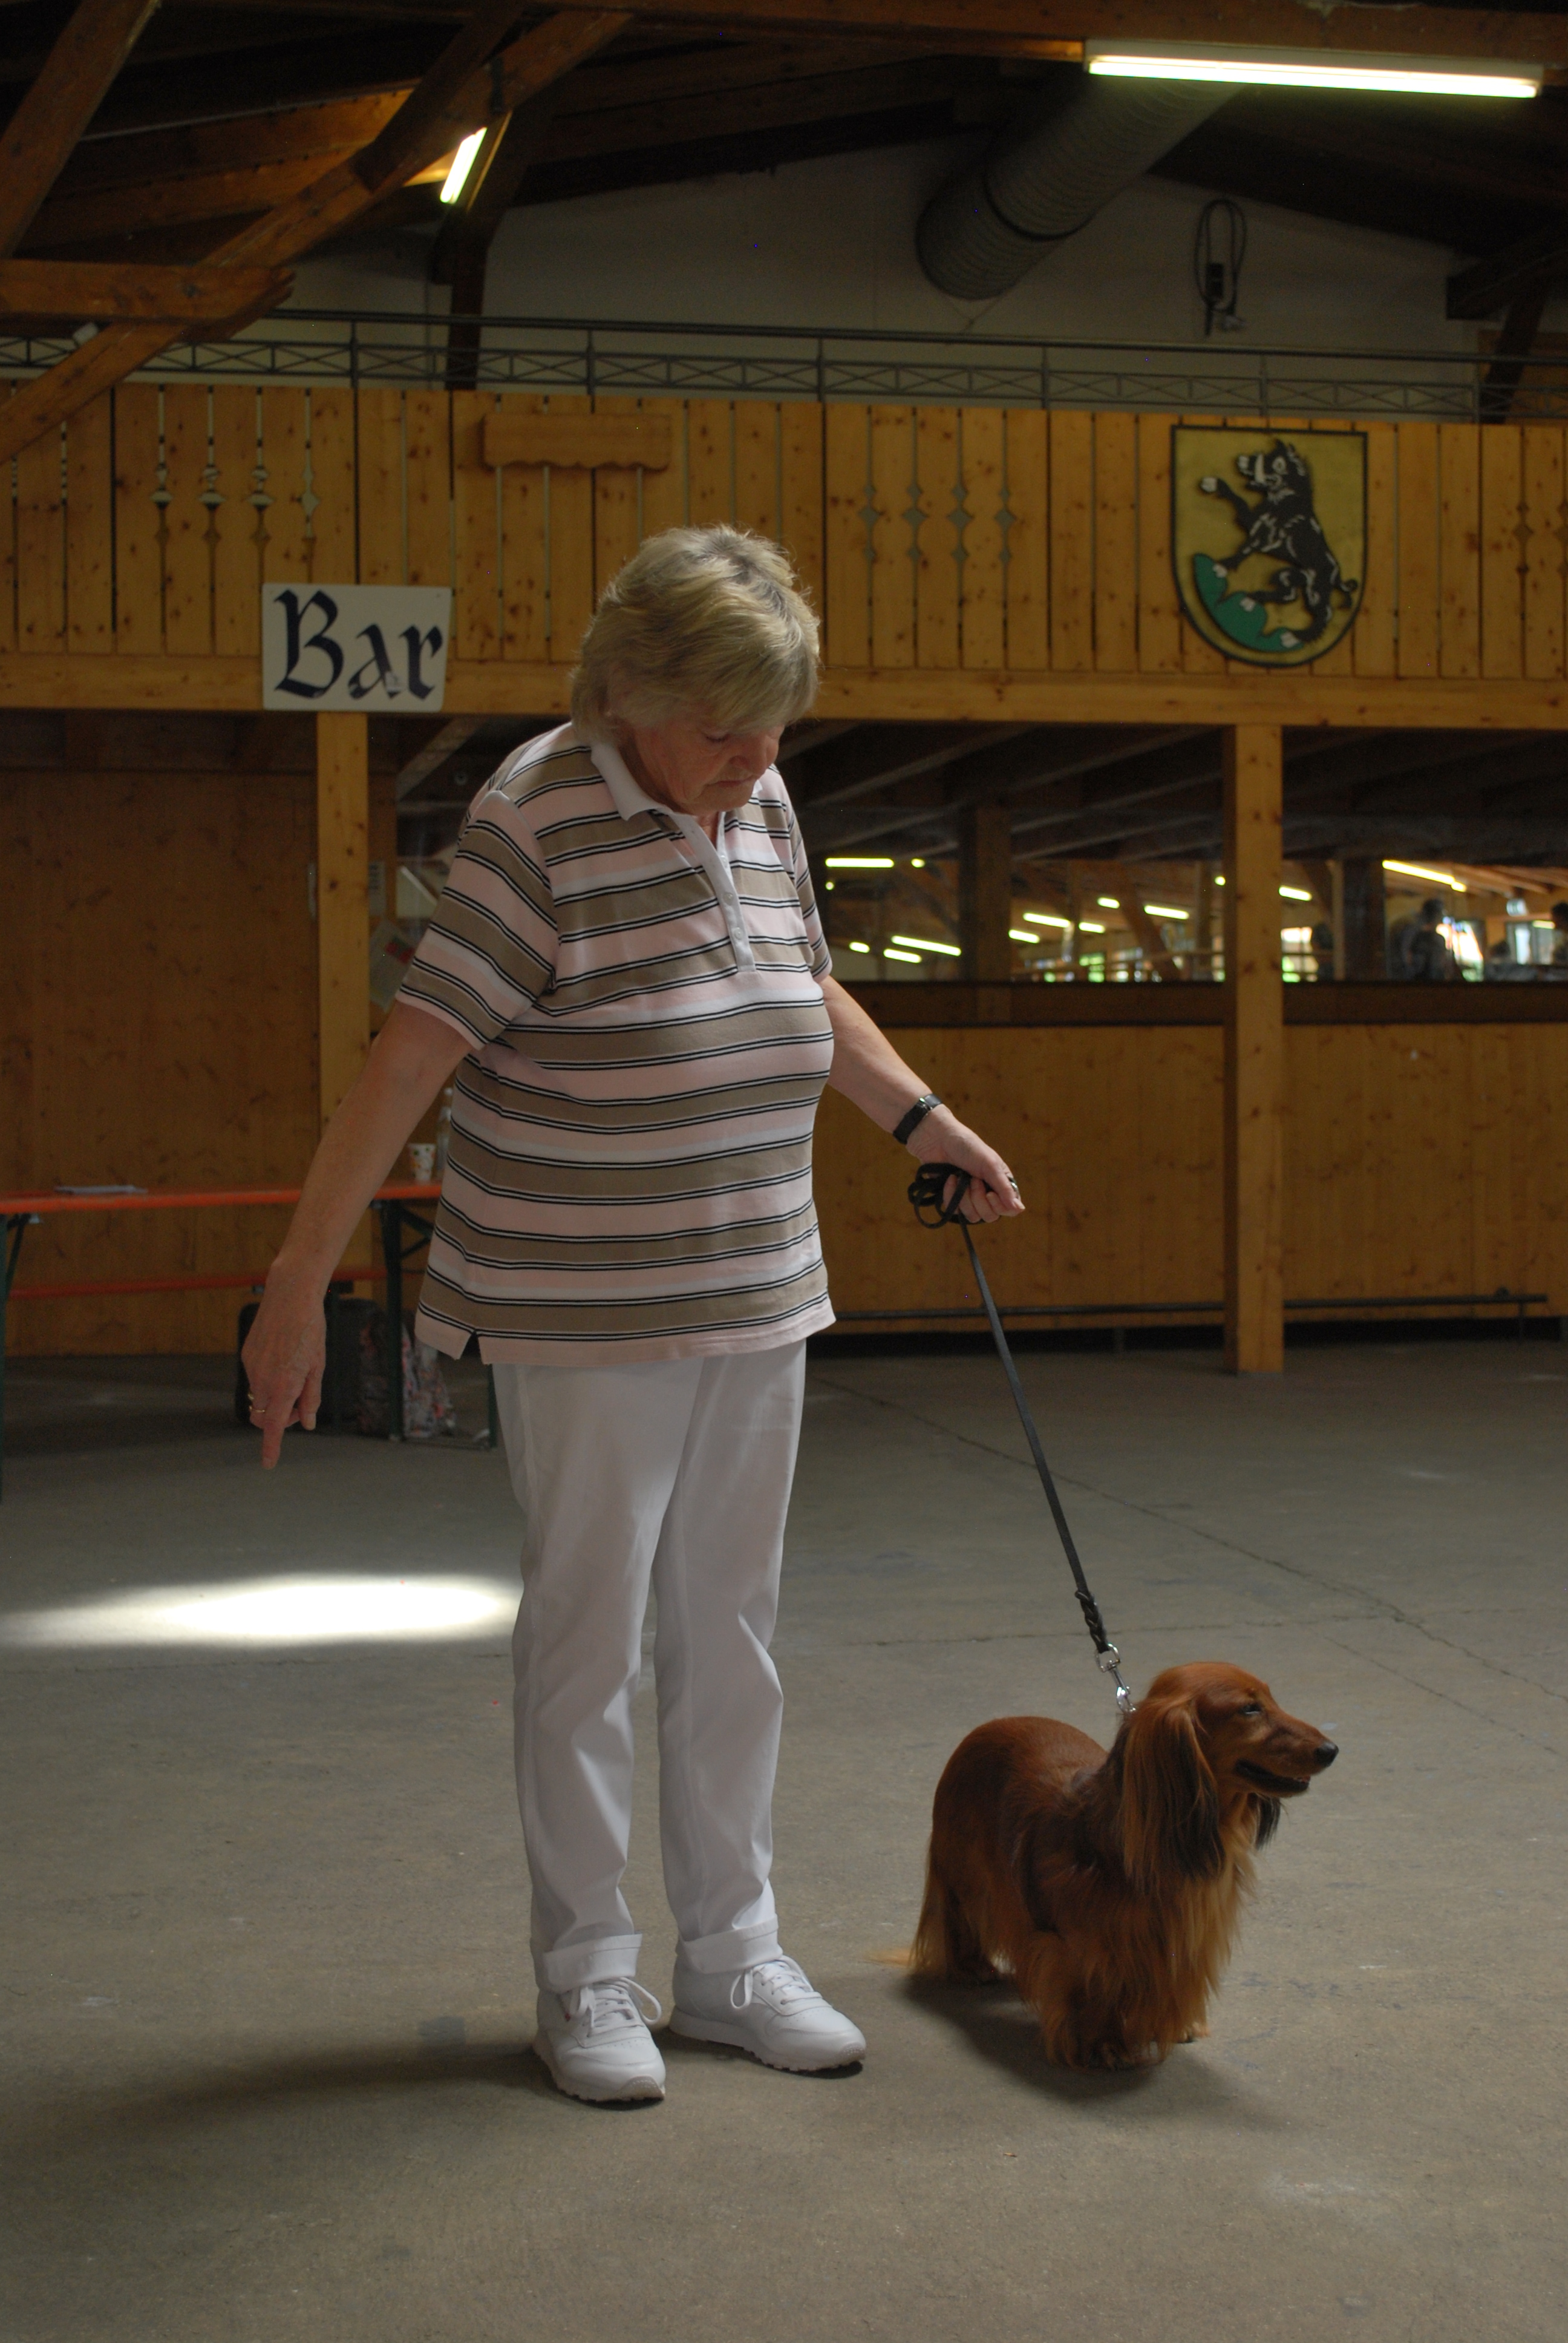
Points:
(926, 1192)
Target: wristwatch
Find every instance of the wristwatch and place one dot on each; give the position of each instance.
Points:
(915, 1117)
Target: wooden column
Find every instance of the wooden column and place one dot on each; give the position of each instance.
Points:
(1364, 917)
(1255, 1052)
(985, 892)
(342, 892)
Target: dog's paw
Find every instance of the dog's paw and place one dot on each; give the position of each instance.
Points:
(1199, 2032)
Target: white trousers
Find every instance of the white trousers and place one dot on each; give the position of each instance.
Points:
(675, 1474)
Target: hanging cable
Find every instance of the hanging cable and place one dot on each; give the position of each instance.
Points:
(1218, 249)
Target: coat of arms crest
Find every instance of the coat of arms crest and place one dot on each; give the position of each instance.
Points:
(1268, 536)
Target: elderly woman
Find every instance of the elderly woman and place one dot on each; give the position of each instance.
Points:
(628, 973)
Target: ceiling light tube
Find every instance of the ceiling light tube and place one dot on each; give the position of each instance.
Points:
(1091, 927)
(1165, 911)
(1419, 870)
(1241, 63)
(1024, 936)
(890, 953)
(858, 861)
(924, 943)
(1048, 919)
(1297, 894)
(463, 162)
(1108, 902)
(860, 948)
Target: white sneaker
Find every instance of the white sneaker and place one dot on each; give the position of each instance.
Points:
(596, 2043)
(772, 2010)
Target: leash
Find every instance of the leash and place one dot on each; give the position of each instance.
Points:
(926, 1196)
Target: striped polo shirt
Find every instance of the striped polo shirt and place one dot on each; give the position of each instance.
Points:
(630, 1173)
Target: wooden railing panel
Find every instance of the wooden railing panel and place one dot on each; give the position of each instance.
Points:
(1418, 551)
(138, 564)
(1116, 543)
(1459, 549)
(1028, 539)
(894, 536)
(1072, 596)
(235, 521)
(801, 495)
(1502, 543)
(186, 534)
(982, 597)
(332, 520)
(1160, 622)
(282, 473)
(477, 615)
(1545, 521)
(1373, 639)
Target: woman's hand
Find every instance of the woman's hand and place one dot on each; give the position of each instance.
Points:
(284, 1356)
(992, 1192)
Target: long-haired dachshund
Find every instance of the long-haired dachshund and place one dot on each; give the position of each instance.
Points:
(1110, 1886)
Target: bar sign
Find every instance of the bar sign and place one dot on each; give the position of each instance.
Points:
(365, 650)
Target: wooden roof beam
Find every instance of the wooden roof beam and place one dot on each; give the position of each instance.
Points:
(106, 290)
(465, 88)
(1048, 28)
(59, 106)
(1493, 285)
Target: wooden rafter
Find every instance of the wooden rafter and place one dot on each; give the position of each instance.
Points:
(59, 106)
(105, 290)
(465, 89)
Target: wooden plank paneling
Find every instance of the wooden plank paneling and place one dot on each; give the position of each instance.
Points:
(613, 505)
(892, 537)
(334, 513)
(982, 606)
(1161, 624)
(757, 466)
(41, 545)
(802, 495)
(1545, 517)
(1071, 541)
(1116, 542)
(139, 558)
(1340, 657)
(1418, 550)
(1373, 646)
(571, 557)
(237, 524)
(285, 547)
(847, 554)
(383, 539)
(1501, 552)
(89, 528)
(1198, 656)
(342, 875)
(428, 486)
(187, 522)
(661, 494)
(937, 567)
(1028, 581)
(7, 550)
(525, 554)
(475, 510)
(710, 459)
(1458, 548)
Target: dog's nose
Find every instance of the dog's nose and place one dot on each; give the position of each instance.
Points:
(1326, 1752)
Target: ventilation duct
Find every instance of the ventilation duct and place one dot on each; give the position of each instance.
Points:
(1046, 178)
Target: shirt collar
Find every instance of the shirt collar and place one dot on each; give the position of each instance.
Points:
(629, 797)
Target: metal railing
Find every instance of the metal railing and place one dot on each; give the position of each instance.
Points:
(633, 358)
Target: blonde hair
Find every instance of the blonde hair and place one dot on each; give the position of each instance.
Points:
(701, 621)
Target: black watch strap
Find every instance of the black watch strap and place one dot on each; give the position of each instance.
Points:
(915, 1117)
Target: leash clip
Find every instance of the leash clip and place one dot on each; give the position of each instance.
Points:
(1108, 1663)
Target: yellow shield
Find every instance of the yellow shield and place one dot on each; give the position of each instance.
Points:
(1268, 538)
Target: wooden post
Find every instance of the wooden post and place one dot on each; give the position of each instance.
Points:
(342, 897)
(1255, 1052)
(1365, 918)
(985, 892)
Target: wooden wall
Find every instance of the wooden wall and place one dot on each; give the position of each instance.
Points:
(1419, 1159)
(936, 539)
(158, 1006)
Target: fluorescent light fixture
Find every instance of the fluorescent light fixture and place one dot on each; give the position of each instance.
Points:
(1165, 911)
(890, 954)
(1108, 902)
(1297, 894)
(456, 178)
(1048, 919)
(1218, 877)
(1296, 935)
(858, 861)
(272, 1611)
(1419, 870)
(1025, 936)
(924, 943)
(862, 948)
(1091, 927)
(917, 863)
(1238, 62)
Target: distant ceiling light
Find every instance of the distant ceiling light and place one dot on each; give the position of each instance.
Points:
(858, 861)
(456, 178)
(1091, 927)
(1311, 68)
(1419, 870)
(1297, 894)
(1218, 877)
(890, 954)
(865, 947)
(924, 943)
(1108, 902)
(917, 863)
(1023, 935)
(1048, 919)
(1165, 911)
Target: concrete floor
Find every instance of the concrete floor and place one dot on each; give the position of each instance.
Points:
(267, 1976)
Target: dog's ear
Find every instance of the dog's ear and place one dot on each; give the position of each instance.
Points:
(1169, 1803)
(1266, 1813)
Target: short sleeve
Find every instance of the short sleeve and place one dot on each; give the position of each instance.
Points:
(490, 949)
(800, 870)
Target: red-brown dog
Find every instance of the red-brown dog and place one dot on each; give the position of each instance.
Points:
(1110, 1886)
